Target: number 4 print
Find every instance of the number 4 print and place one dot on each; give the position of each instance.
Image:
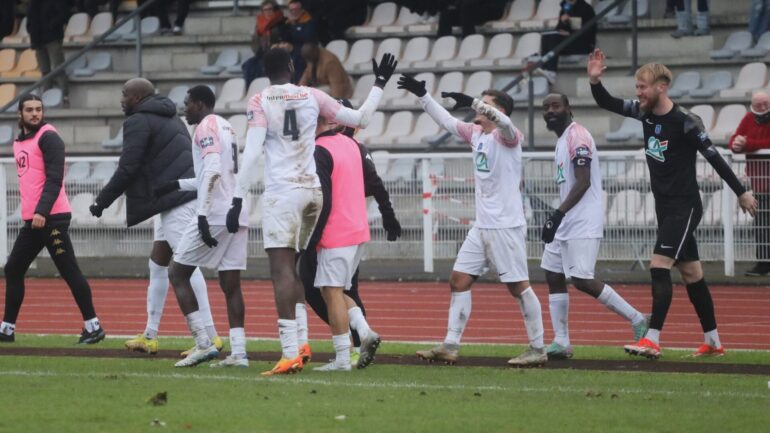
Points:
(290, 125)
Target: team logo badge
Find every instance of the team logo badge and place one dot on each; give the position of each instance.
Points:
(658, 128)
(249, 115)
(482, 164)
(206, 142)
(655, 149)
(560, 174)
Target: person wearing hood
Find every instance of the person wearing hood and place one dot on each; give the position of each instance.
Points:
(156, 149)
(753, 134)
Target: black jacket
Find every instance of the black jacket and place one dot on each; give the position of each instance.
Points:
(46, 20)
(584, 11)
(156, 149)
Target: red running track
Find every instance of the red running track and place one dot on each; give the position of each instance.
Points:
(412, 311)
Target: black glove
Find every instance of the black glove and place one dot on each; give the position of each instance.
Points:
(233, 215)
(384, 70)
(391, 224)
(96, 210)
(412, 86)
(461, 100)
(551, 225)
(166, 188)
(203, 229)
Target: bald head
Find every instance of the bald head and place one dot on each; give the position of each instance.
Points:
(134, 91)
(760, 102)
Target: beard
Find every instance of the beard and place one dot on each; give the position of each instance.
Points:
(555, 122)
(652, 101)
(31, 127)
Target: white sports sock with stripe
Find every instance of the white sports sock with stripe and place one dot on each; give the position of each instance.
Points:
(558, 304)
(459, 313)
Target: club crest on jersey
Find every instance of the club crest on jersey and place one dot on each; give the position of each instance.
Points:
(655, 149)
(249, 115)
(703, 136)
(206, 142)
(658, 128)
(482, 164)
(560, 174)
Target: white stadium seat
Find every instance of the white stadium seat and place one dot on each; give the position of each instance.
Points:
(339, 48)
(444, 48)
(384, 14)
(546, 15)
(752, 76)
(528, 45)
(729, 118)
(706, 114)
(416, 50)
(233, 90)
(374, 129)
(521, 10)
(410, 100)
(361, 52)
(471, 48)
(500, 47)
(423, 127)
(399, 124)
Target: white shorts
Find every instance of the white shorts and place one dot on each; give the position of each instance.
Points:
(228, 255)
(573, 257)
(336, 266)
(170, 225)
(290, 217)
(505, 248)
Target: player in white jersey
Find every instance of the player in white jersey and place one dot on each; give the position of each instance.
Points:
(498, 234)
(573, 232)
(282, 119)
(205, 241)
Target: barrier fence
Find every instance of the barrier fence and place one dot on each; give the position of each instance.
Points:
(433, 196)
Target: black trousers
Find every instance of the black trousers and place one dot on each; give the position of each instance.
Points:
(308, 265)
(762, 227)
(549, 41)
(28, 245)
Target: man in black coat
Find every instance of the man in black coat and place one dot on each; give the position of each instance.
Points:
(46, 20)
(573, 16)
(156, 149)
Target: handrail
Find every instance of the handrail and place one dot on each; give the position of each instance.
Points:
(531, 66)
(82, 51)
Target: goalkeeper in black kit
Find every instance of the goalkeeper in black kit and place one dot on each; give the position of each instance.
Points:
(672, 137)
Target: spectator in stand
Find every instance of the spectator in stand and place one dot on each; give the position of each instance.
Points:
(423, 7)
(759, 18)
(160, 9)
(300, 28)
(753, 134)
(670, 9)
(324, 71)
(91, 7)
(334, 17)
(574, 15)
(7, 17)
(468, 14)
(684, 25)
(268, 29)
(45, 24)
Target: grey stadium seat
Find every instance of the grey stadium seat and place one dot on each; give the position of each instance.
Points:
(630, 128)
(735, 43)
(684, 83)
(226, 58)
(713, 83)
(624, 17)
(6, 135)
(761, 49)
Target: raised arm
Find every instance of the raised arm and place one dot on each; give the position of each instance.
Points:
(624, 107)
(508, 134)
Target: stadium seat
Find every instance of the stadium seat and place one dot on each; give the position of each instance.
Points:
(177, 94)
(149, 26)
(520, 10)
(99, 25)
(78, 172)
(625, 205)
(363, 86)
(226, 58)
(401, 169)
(713, 83)
(409, 100)
(362, 51)
(255, 87)
(374, 129)
(80, 62)
(405, 19)
(97, 61)
(77, 26)
(103, 171)
(339, 48)
(384, 14)
(444, 48)
(80, 213)
(624, 16)
(684, 83)
(546, 15)
(752, 76)
(735, 43)
(6, 135)
(729, 118)
(423, 127)
(528, 44)
(391, 92)
(26, 66)
(399, 124)
(390, 45)
(427, 24)
(706, 114)
(761, 49)
(115, 142)
(121, 31)
(7, 59)
(416, 50)
(471, 48)
(478, 82)
(7, 93)
(240, 125)
(540, 88)
(449, 82)
(233, 90)
(21, 36)
(500, 47)
(629, 129)
(52, 98)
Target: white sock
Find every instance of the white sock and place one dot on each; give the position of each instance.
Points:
(614, 302)
(287, 332)
(7, 328)
(459, 313)
(653, 335)
(300, 315)
(712, 339)
(342, 348)
(533, 317)
(156, 298)
(91, 325)
(195, 323)
(238, 342)
(358, 322)
(558, 303)
(198, 284)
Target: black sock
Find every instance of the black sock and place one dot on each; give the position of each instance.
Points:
(662, 292)
(700, 297)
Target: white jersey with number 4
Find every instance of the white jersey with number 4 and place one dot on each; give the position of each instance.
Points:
(215, 135)
(586, 219)
(290, 115)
